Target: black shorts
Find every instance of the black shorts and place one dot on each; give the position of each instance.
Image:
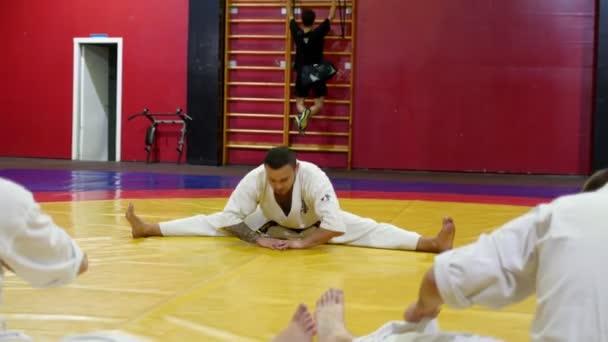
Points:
(319, 88)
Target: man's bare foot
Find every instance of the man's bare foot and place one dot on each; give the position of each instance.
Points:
(445, 238)
(300, 329)
(329, 316)
(139, 228)
(442, 242)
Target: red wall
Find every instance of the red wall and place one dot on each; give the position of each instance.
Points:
(36, 63)
(467, 85)
(474, 85)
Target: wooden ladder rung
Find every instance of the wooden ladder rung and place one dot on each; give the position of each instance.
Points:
(249, 67)
(250, 145)
(325, 117)
(280, 84)
(257, 84)
(255, 99)
(326, 101)
(255, 52)
(333, 53)
(296, 147)
(322, 134)
(279, 4)
(254, 131)
(330, 85)
(271, 21)
(256, 21)
(339, 37)
(257, 4)
(280, 116)
(260, 52)
(277, 36)
(319, 148)
(338, 53)
(261, 99)
(257, 36)
(255, 116)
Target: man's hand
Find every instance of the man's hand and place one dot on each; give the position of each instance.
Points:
(292, 244)
(416, 312)
(318, 236)
(270, 243)
(280, 245)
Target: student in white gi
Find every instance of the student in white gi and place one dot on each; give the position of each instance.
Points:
(299, 201)
(33, 246)
(555, 251)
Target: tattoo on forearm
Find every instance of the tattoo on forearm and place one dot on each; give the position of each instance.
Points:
(243, 232)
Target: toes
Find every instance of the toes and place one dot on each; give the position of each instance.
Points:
(329, 295)
(300, 312)
(309, 324)
(130, 211)
(331, 298)
(323, 299)
(339, 296)
(309, 321)
(320, 301)
(311, 328)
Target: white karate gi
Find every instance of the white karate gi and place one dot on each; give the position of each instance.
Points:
(557, 250)
(32, 245)
(313, 200)
(424, 331)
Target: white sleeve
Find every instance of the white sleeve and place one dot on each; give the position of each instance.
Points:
(326, 203)
(498, 269)
(242, 202)
(32, 244)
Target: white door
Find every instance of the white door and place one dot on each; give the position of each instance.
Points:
(94, 105)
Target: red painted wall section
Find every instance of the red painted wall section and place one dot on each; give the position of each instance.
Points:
(37, 64)
(469, 85)
(474, 85)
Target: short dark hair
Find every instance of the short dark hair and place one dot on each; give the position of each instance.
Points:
(596, 181)
(277, 157)
(308, 17)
